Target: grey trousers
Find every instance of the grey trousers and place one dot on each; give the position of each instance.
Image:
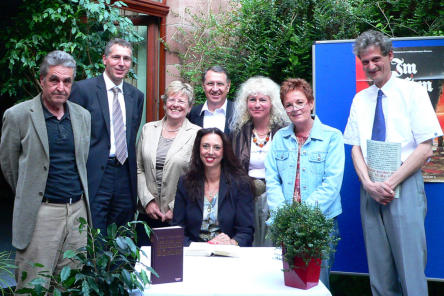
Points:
(395, 240)
(261, 214)
(327, 263)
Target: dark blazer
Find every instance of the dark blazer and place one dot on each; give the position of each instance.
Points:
(241, 141)
(235, 212)
(91, 94)
(196, 117)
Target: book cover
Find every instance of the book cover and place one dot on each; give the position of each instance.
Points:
(167, 254)
(383, 159)
(206, 249)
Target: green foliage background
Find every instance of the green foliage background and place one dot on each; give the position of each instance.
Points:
(274, 37)
(79, 27)
(249, 37)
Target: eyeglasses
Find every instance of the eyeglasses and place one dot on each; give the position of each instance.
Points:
(294, 106)
(177, 101)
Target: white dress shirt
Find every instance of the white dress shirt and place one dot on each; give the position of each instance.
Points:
(216, 118)
(109, 86)
(409, 116)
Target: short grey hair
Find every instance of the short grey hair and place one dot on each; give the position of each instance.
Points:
(256, 85)
(179, 87)
(119, 41)
(217, 69)
(372, 38)
(57, 58)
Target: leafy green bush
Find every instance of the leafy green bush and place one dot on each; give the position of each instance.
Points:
(274, 37)
(106, 266)
(79, 27)
(303, 231)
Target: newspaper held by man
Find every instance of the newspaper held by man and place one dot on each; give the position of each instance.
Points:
(383, 159)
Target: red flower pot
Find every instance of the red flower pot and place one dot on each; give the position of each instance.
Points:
(302, 276)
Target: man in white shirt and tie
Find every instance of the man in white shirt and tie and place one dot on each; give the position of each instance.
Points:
(217, 110)
(116, 111)
(399, 111)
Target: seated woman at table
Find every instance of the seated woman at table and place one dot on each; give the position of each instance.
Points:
(258, 114)
(306, 160)
(163, 155)
(214, 199)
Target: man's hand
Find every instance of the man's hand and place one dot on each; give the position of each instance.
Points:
(381, 192)
(153, 211)
(168, 216)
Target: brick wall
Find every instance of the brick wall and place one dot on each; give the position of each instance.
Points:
(178, 17)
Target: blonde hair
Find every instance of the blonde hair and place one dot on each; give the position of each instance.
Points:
(179, 87)
(266, 87)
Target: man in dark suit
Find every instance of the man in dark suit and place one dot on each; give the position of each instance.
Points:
(43, 152)
(116, 110)
(217, 110)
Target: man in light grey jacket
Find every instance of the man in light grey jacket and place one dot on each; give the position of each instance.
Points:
(43, 151)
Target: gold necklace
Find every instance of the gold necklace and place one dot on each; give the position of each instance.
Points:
(261, 135)
(211, 194)
(173, 131)
(165, 126)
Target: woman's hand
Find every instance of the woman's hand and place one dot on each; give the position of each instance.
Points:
(168, 216)
(223, 239)
(153, 211)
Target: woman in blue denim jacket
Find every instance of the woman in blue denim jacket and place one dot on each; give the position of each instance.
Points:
(306, 160)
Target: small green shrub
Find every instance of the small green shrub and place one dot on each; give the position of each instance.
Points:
(303, 231)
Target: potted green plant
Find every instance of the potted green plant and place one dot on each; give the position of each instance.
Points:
(305, 236)
(106, 266)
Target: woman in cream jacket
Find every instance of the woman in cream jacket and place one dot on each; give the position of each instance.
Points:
(163, 155)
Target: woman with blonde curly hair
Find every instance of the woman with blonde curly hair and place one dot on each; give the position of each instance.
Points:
(257, 115)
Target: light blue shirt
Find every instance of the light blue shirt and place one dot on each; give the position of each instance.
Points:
(321, 168)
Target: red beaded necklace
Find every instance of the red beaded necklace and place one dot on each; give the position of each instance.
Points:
(261, 143)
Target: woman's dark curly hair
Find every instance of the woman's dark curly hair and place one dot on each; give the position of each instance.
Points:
(230, 166)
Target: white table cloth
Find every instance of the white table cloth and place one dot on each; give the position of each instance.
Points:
(256, 271)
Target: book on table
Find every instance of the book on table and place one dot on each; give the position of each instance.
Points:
(167, 254)
(207, 249)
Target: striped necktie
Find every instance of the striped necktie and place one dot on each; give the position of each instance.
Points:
(119, 129)
(378, 131)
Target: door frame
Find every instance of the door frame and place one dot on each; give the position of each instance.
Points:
(155, 20)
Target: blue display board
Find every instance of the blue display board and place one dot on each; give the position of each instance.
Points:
(334, 83)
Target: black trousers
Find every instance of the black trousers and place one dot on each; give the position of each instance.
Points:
(112, 202)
